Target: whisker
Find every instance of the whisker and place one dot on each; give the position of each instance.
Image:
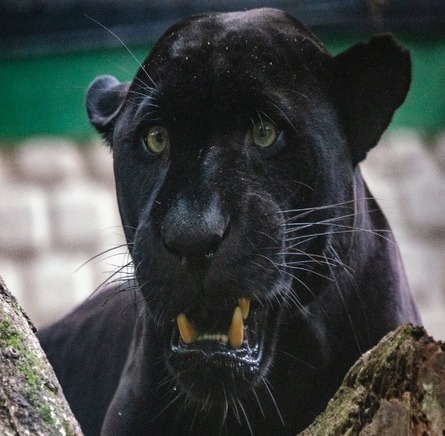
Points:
(304, 225)
(326, 206)
(108, 250)
(298, 359)
(297, 268)
(246, 417)
(351, 322)
(109, 280)
(235, 408)
(258, 401)
(126, 48)
(303, 238)
(266, 384)
(315, 258)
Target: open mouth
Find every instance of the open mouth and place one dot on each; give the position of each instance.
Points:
(222, 348)
(235, 336)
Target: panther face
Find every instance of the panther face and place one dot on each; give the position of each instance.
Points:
(234, 176)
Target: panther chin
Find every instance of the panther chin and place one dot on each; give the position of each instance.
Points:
(220, 354)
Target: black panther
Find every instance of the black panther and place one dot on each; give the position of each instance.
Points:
(263, 267)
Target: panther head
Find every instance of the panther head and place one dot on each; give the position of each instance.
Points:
(235, 150)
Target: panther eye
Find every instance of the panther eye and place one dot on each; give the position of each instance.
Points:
(157, 139)
(264, 134)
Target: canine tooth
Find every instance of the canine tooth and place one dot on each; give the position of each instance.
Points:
(186, 330)
(236, 330)
(244, 304)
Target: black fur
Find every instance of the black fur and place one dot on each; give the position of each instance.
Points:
(215, 217)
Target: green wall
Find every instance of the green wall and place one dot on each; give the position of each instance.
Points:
(45, 95)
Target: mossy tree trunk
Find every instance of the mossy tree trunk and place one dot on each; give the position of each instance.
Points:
(31, 399)
(395, 389)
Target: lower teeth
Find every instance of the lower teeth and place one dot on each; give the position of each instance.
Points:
(215, 337)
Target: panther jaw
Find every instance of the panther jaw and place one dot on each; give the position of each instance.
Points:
(234, 335)
(239, 342)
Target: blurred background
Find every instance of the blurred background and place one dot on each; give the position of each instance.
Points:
(57, 201)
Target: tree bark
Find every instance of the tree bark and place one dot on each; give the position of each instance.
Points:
(31, 399)
(397, 388)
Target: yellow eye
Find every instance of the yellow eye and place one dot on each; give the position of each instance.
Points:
(264, 134)
(157, 139)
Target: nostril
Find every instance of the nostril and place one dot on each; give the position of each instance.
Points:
(196, 248)
(192, 244)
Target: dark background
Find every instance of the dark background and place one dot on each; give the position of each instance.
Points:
(54, 26)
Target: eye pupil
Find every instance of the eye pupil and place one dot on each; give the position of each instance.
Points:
(264, 134)
(157, 139)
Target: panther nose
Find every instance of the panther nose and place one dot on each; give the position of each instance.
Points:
(194, 235)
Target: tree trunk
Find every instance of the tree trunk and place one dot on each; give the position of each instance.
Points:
(397, 388)
(31, 399)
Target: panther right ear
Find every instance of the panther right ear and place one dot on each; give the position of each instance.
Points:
(105, 98)
(371, 80)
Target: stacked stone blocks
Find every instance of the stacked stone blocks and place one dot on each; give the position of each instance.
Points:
(57, 210)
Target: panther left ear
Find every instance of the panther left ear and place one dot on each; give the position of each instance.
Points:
(371, 80)
(105, 97)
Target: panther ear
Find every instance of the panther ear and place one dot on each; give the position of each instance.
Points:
(371, 80)
(105, 97)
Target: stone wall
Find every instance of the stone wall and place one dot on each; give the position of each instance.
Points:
(407, 176)
(58, 210)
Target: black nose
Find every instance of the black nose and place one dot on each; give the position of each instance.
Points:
(194, 234)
